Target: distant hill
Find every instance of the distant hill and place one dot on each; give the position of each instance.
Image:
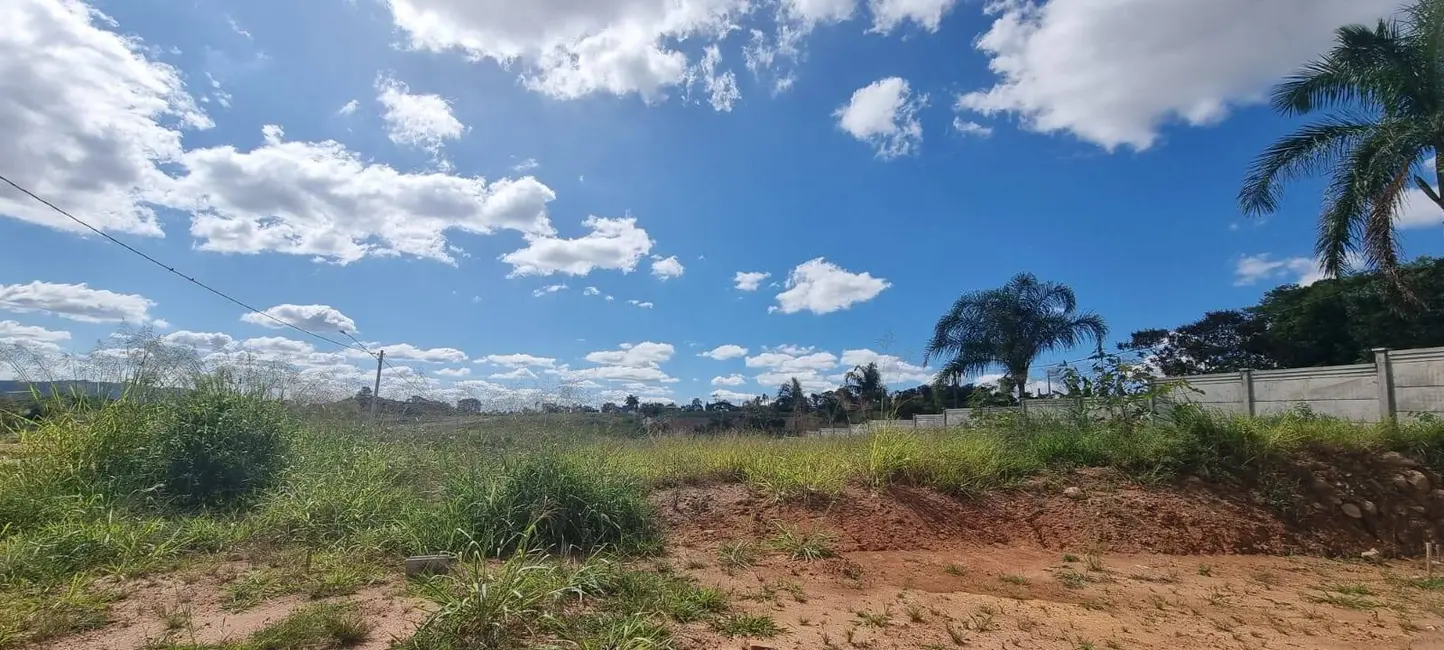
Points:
(23, 390)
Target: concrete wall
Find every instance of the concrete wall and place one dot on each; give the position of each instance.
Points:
(1418, 381)
(1400, 383)
(1403, 383)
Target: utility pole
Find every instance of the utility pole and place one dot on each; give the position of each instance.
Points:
(376, 392)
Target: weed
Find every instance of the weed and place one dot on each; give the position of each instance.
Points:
(751, 625)
(793, 589)
(250, 589)
(1345, 600)
(1013, 579)
(958, 636)
(1071, 579)
(982, 620)
(1095, 564)
(1349, 589)
(914, 612)
(1069, 557)
(313, 627)
(1268, 579)
(174, 617)
(1205, 570)
(737, 554)
(1219, 597)
(800, 545)
(876, 619)
(1431, 584)
(954, 570)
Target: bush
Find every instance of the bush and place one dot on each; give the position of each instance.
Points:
(214, 447)
(542, 502)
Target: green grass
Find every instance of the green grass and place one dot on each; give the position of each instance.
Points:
(751, 625)
(800, 545)
(737, 554)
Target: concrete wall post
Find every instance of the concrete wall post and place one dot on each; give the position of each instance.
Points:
(1386, 384)
(1245, 378)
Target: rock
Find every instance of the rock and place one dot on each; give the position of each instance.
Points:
(758, 646)
(1419, 481)
(1073, 492)
(1352, 510)
(1395, 459)
(1401, 482)
(428, 564)
(1371, 554)
(1369, 508)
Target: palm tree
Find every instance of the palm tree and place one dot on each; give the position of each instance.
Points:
(865, 382)
(1009, 327)
(1385, 88)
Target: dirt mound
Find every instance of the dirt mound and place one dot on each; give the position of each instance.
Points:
(1342, 506)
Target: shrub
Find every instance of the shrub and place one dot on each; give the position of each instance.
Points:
(542, 502)
(214, 447)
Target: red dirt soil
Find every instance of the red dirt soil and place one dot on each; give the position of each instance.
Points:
(1087, 509)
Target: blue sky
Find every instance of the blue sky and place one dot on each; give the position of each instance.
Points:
(429, 173)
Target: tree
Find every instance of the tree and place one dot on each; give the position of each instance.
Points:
(1331, 322)
(696, 404)
(865, 384)
(631, 404)
(1222, 341)
(1385, 87)
(1010, 327)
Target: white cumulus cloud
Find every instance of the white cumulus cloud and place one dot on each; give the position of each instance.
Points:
(729, 380)
(322, 200)
(323, 319)
(570, 49)
(822, 287)
(1251, 269)
(927, 14)
(638, 355)
(894, 369)
(1113, 72)
(667, 268)
(551, 288)
(732, 396)
(725, 352)
(200, 340)
(76, 302)
(518, 360)
(612, 244)
(94, 114)
(30, 337)
(424, 121)
(749, 280)
(884, 114)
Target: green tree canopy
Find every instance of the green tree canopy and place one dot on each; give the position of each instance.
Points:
(1331, 322)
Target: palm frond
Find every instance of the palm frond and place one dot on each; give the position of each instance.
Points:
(1368, 67)
(1305, 152)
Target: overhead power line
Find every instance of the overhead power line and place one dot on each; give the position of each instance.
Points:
(176, 272)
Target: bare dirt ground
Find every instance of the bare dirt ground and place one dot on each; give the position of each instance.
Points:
(189, 607)
(1111, 565)
(1032, 598)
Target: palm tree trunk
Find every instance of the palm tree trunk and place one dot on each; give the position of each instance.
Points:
(1019, 376)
